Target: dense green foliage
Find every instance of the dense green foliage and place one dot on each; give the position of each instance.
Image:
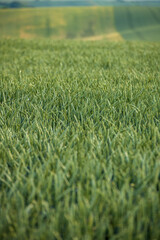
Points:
(138, 23)
(79, 140)
(133, 23)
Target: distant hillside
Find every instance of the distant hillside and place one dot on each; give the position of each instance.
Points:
(63, 3)
(89, 23)
(138, 23)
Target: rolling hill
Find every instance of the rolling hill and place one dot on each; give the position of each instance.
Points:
(138, 23)
(64, 3)
(94, 23)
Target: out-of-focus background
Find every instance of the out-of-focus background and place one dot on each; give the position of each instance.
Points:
(80, 19)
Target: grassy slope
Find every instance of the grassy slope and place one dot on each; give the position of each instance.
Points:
(133, 23)
(69, 3)
(79, 140)
(138, 23)
(57, 22)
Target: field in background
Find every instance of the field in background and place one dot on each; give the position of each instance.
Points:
(77, 3)
(79, 140)
(57, 22)
(138, 23)
(112, 23)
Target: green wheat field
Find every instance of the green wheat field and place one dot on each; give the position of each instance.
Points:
(79, 132)
(89, 23)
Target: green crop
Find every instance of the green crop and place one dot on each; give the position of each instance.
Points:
(138, 23)
(56, 23)
(79, 140)
(113, 23)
